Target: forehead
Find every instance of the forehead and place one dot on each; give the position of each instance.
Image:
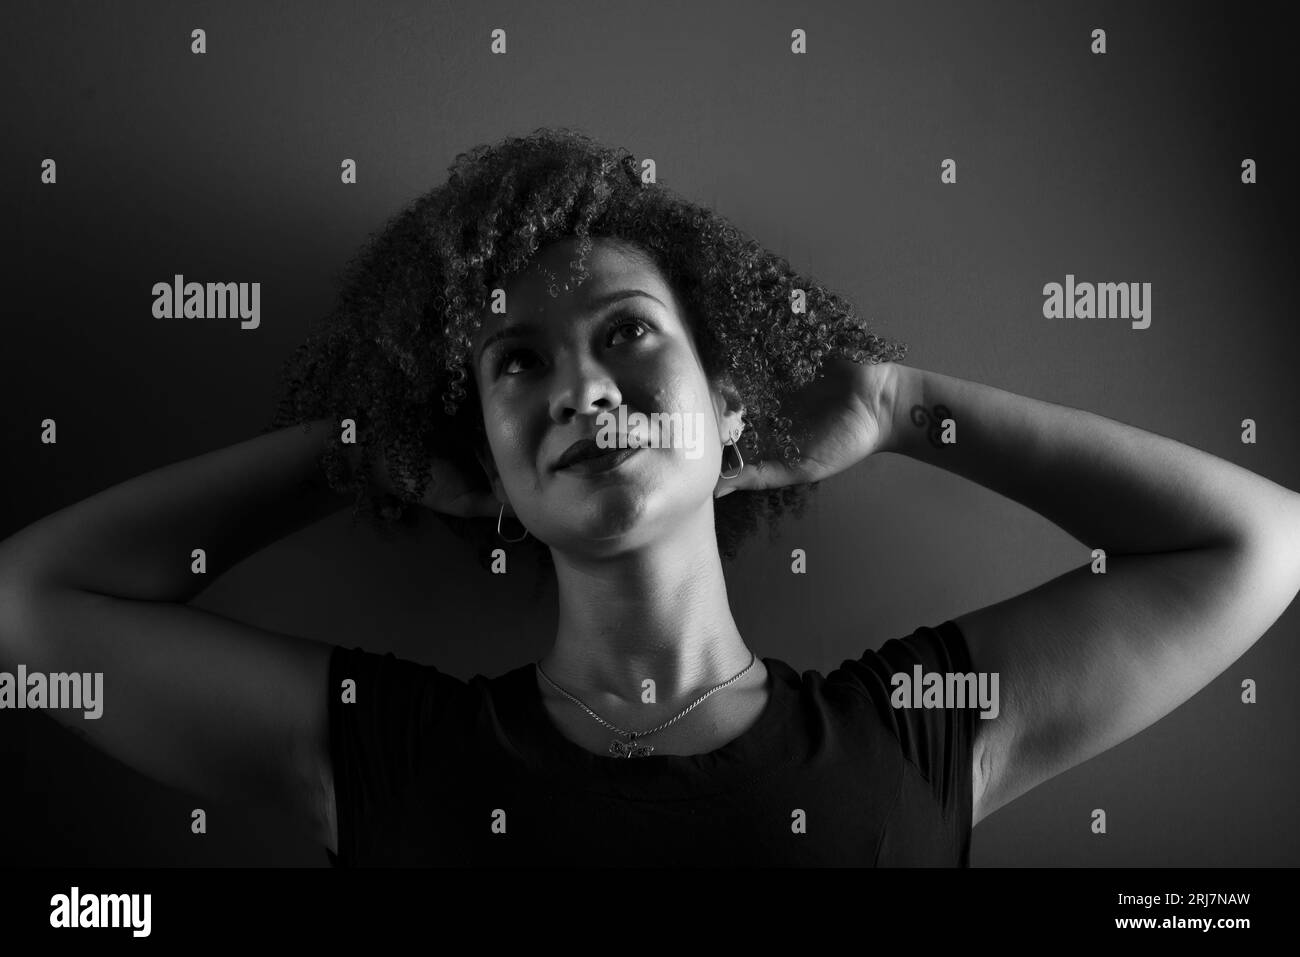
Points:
(610, 266)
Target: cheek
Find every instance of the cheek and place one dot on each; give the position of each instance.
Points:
(680, 387)
(689, 428)
(504, 435)
(516, 443)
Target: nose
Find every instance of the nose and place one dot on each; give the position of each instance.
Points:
(582, 386)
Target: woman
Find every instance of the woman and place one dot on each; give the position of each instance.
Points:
(476, 371)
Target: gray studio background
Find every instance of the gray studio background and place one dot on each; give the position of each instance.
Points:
(1122, 167)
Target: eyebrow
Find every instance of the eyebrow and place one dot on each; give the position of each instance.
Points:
(519, 329)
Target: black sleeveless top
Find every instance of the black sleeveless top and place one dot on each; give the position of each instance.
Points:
(433, 770)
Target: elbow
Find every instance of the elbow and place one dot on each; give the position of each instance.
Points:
(1266, 560)
(13, 595)
(20, 595)
(1277, 538)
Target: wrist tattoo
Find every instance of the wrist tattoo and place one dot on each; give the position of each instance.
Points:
(932, 420)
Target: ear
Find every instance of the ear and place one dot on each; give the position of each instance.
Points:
(729, 408)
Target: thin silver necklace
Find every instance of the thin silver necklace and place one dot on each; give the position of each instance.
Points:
(630, 748)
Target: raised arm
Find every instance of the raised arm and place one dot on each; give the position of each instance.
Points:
(1202, 557)
(189, 698)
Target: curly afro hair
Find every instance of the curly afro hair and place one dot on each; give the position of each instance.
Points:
(394, 353)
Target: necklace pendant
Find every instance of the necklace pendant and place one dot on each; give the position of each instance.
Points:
(629, 750)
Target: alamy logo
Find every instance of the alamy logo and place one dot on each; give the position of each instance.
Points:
(659, 430)
(1103, 300)
(58, 690)
(933, 689)
(179, 299)
(102, 910)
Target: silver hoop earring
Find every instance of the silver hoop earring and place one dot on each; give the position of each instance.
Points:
(739, 458)
(512, 541)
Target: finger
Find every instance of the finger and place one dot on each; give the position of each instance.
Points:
(489, 507)
(726, 486)
(477, 505)
(745, 480)
(758, 476)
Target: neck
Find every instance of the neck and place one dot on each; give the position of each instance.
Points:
(659, 612)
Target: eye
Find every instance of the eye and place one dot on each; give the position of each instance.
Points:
(506, 358)
(624, 322)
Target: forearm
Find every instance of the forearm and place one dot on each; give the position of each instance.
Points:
(135, 539)
(1108, 484)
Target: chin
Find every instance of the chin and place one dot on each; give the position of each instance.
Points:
(608, 519)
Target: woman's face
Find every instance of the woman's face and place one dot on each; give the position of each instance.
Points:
(549, 367)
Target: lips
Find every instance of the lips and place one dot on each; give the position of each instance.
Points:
(585, 449)
(607, 461)
(582, 449)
